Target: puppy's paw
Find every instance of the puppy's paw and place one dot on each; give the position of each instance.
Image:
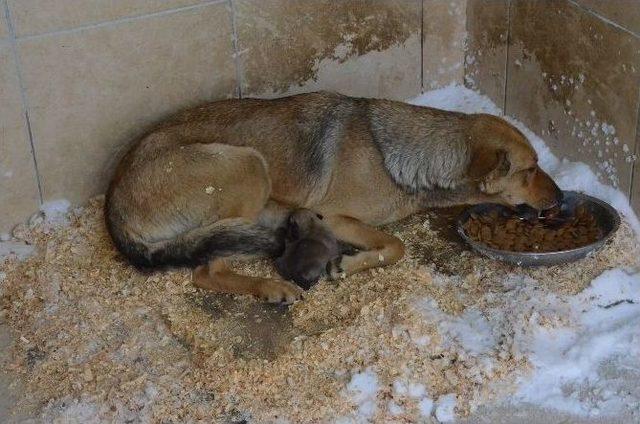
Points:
(279, 291)
(334, 269)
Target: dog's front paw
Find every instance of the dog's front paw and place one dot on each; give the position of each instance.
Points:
(279, 291)
(334, 269)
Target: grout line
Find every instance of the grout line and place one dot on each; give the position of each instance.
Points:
(119, 21)
(603, 18)
(236, 50)
(506, 60)
(422, 46)
(634, 164)
(23, 95)
(33, 153)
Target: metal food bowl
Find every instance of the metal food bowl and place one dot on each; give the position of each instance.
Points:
(606, 217)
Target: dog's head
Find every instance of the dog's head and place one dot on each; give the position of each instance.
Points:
(504, 166)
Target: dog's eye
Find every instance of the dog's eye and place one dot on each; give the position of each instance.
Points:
(319, 216)
(530, 173)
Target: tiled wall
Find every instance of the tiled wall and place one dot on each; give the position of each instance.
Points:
(79, 82)
(569, 69)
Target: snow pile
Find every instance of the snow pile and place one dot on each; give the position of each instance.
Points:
(445, 408)
(56, 212)
(16, 248)
(577, 345)
(52, 215)
(470, 332)
(412, 394)
(363, 391)
(568, 175)
(570, 362)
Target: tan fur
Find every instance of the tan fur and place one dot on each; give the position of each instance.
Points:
(238, 162)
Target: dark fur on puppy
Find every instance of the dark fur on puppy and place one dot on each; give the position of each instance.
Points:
(310, 246)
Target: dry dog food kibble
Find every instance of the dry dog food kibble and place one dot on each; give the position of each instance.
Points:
(548, 234)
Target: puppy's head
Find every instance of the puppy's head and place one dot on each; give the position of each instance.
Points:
(309, 246)
(504, 167)
(304, 262)
(304, 223)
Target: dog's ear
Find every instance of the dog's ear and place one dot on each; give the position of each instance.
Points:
(487, 161)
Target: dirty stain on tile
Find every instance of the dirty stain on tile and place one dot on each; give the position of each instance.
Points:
(92, 92)
(33, 17)
(625, 13)
(18, 184)
(282, 44)
(574, 79)
(4, 30)
(486, 49)
(444, 34)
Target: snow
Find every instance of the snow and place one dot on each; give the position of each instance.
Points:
(53, 214)
(363, 390)
(568, 360)
(400, 388)
(445, 408)
(470, 332)
(394, 408)
(56, 212)
(416, 390)
(576, 345)
(568, 175)
(425, 406)
(17, 248)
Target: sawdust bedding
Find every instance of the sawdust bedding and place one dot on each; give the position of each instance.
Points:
(97, 341)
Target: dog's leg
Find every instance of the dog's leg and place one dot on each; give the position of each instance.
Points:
(217, 277)
(379, 249)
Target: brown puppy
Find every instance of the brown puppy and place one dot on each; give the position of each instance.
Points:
(218, 180)
(310, 247)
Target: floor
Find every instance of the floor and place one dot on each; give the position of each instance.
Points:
(254, 332)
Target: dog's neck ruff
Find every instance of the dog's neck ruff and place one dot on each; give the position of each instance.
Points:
(420, 154)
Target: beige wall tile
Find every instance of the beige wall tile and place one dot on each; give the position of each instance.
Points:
(443, 50)
(92, 91)
(574, 79)
(18, 185)
(486, 53)
(625, 13)
(41, 16)
(4, 29)
(357, 47)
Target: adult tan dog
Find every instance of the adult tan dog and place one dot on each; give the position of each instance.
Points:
(218, 180)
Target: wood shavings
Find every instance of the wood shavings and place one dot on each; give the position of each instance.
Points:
(97, 340)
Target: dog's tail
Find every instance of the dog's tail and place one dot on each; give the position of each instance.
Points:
(198, 246)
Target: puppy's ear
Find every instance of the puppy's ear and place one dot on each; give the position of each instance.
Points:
(293, 231)
(281, 267)
(486, 161)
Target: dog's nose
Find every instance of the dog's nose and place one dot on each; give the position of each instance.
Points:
(557, 199)
(527, 212)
